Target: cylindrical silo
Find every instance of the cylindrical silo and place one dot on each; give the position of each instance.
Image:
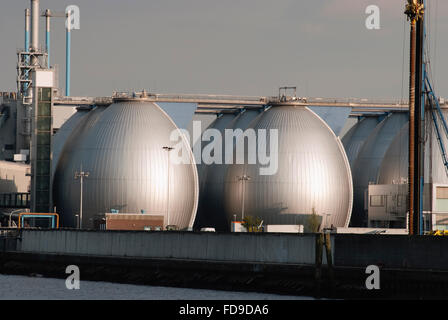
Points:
(313, 173)
(125, 152)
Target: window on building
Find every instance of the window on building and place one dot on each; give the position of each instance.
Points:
(377, 200)
(441, 199)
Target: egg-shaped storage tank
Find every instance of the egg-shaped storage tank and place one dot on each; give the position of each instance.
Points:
(367, 164)
(67, 142)
(63, 134)
(218, 125)
(354, 139)
(131, 168)
(211, 201)
(394, 168)
(312, 173)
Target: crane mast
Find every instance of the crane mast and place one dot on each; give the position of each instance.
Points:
(415, 11)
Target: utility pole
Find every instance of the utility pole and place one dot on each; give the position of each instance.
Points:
(81, 175)
(415, 10)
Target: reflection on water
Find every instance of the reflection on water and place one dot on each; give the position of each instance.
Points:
(29, 288)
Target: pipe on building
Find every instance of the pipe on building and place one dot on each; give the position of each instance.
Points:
(27, 45)
(67, 51)
(34, 29)
(27, 29)
(47, 35)
(34, 25)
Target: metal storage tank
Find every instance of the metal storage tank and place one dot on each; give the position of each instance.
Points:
(357, 135)
(394, 168)
(394, 171)
(74, 138)
(367, 164)
(122, 148)
(313, 174)
(211, 203)
(220, 123)
(64, 133)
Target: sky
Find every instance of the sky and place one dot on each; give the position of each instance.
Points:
(245, 47)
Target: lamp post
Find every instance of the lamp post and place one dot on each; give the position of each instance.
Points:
(243, 179)
(81, 175)
(10, 214)
(168, 149)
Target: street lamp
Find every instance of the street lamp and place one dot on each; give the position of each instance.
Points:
(10, 214)
(81, 175)
(168, 149)
(243, 179)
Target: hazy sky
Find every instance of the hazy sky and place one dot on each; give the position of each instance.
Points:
(246, 47)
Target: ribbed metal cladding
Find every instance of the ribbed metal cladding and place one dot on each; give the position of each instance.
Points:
(394, 167)
(122, 149)
(61, 136)
(354, 139)
(395, 164)
(211, 211)
(219, 124)
(366, 166)
(72, 142)
(313, 173)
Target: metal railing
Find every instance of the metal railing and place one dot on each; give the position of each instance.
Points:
(222, 102)
(14, 200)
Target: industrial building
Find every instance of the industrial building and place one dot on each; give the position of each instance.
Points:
(95, 159)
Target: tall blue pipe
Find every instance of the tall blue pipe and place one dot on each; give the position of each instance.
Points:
(67, 58)
(27, 46)
(47, 43)
(27, 30)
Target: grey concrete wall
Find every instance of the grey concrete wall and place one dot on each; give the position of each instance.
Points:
(237, 247)
(391, 251)
(349, 250)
